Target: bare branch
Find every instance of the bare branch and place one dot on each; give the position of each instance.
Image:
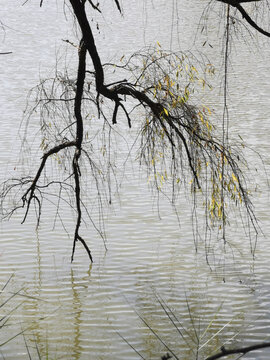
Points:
(244, 350)
(236, 4)
(32, 188)
(118, 5)
(79, 139)
(94, 6)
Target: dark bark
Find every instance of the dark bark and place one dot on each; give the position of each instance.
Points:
(122, 89)
(77, 143)
(237, 5)
(79, 12)
(31, 190)
(181, 128)
(79, 139)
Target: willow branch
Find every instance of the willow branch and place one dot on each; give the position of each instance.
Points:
(118, 5)
(31, 190)
(157, 110)
(94, 6)
(251, 22)
(79, 11)
(79, 139)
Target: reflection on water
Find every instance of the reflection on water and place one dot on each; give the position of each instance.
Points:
(76, 310)
(150, 288)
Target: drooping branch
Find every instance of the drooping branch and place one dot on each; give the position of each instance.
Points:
(31, 190)
(123, 89)
(79, 95)
(161, 114)
(94, 6)
(79, 11)
(118, 5)
(250, 21)
(236, 4)
(181, 123)
(79, 139)
(172, 125)
(30, 193)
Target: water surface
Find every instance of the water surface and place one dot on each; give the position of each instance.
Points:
(83, 311)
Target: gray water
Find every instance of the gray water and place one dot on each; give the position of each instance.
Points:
(82, 311)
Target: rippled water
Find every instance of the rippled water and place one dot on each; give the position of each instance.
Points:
(151, 270)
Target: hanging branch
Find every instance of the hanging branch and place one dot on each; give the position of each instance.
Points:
(118, 5)
(172, 126)
(236, 4)
(29, 195)
(94, 6)
(79, 139)
(123, 89)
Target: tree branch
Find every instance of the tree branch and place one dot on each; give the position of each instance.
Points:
(237, 5)
(118, 5)
(79, 11)
(32, 188)
(94, 6)
(79, 139)
(225, 352)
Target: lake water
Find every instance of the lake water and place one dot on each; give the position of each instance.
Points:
(151, 269)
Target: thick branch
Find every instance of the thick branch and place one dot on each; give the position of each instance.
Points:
(79, 95)
(118, 5)
(250, 21)
(79, 138)
(237, 5)
(79, 11)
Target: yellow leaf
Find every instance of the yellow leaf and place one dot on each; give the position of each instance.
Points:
(240, 197)
(201, 117)
(220, 211)
(166, 111)
(209, 111)
(234, 178)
